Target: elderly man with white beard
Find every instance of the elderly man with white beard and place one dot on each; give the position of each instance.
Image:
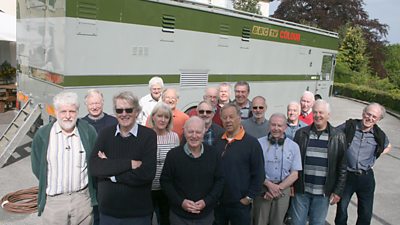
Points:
(60, 152)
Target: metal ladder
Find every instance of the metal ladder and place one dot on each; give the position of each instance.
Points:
(18, 128)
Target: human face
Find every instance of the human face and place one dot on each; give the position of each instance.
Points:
(371, 116)
(293, 112)
(161, 120)
(125, 120)
(321, 116)
(156, 91)
(212, 96)
(306, 103)
(94, 105)
(241, 94)
(67, 116)
(259, 108)
(277, 127)
(170, 98)
(224, 93)
(194, 134)
(230, 120)
(206, 113)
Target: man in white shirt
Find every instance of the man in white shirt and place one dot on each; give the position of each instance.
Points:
(156, 85)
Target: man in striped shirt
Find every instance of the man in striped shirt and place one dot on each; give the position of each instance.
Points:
(60, 152)
(322, 180)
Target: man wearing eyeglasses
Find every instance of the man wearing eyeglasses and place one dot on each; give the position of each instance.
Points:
(124, 161)
(213, 131)
(366, 142)
(210, 95)
(257, 126)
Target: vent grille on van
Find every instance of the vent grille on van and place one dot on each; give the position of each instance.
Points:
(246, 34)
(168, 23)
(194, 79)
(87, 9)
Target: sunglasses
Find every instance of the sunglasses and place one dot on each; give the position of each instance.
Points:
(258, 107)
(120, 111)
(208, 112)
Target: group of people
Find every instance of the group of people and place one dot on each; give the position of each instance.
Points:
(220, 163)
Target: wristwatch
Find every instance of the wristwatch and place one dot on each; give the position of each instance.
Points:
(249, 199)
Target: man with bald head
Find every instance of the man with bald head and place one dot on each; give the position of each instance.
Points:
(211, 95)
(293, 122)
(192, 198)
(306, 103)
(322, 180)
(257, 126)
(366, 143)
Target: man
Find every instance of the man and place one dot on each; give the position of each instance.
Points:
(211, 95)
(293, 122)
(257, 126)
(147, 102)
(124, 161)
(224, 94)
(60, 151)
(242, 91)
(306, 103)
(213, 131)
(322, 149)
(96, 117)
(366, 143)
(192, 198)
(243, 169)
(282, 161)
(170, 96)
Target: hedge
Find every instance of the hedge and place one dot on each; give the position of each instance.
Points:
(365, 93)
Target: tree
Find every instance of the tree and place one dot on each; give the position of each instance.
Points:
(392, 63)
(334, 14)
(352, 50)
(247, 6)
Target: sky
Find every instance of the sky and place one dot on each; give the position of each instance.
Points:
(386, 11)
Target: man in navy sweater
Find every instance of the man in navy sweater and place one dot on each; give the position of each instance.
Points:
(243, 169)
(191, 178)
(124, 161)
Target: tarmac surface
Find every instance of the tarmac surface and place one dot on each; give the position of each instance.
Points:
(17, 175)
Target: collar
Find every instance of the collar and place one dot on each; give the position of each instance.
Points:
(96, 118)
(58, 129)
(359, 128)
(133, 131)
(239, 136)
(189, 153)
(255, 120)
(305, 114)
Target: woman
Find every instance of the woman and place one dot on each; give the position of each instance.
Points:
(161, 122)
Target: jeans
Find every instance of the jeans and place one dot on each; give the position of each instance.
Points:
(236, 215)
(364, 187)
(313, 207)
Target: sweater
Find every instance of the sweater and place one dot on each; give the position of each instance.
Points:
(39, 157)
(130, 195)
(106, 121)
(194, 179)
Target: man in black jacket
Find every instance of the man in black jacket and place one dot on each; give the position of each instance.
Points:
(323, 177)
(366, 142)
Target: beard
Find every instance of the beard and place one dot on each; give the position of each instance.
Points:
(67, 125)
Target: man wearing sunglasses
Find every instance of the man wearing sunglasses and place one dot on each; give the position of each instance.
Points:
(213, 131)
(124, 161)
(366, 142)
(257, 126)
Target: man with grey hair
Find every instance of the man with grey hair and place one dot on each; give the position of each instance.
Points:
(306, 103)
(192, 198)
(210, 95)
(224, 94)
(60, 153)
(257, 126)
(293, 122)
(323, 178)
(242, 91)
(147, 102)
(282, 161)
(124, 161)
(96, 116)
(366, 142)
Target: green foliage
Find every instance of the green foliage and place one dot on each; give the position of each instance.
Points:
(352, 50)
(392, 63)
(6, 70)
(247, 6)
(389, 99)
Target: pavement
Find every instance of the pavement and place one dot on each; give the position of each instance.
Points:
(17, 175)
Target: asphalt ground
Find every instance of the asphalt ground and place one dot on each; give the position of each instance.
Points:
(17, 175)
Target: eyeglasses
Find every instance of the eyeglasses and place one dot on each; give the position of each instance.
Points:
(208, 112)
(258, 107)
(120, 111)
(373, 117)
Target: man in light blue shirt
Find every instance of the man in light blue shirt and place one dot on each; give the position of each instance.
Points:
(282, 162)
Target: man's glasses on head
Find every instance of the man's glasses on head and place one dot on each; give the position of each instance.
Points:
(120, 111)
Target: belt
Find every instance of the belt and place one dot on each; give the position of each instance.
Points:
(360, 172)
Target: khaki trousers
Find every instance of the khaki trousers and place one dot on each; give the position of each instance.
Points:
(270, 212)
(68, 209)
